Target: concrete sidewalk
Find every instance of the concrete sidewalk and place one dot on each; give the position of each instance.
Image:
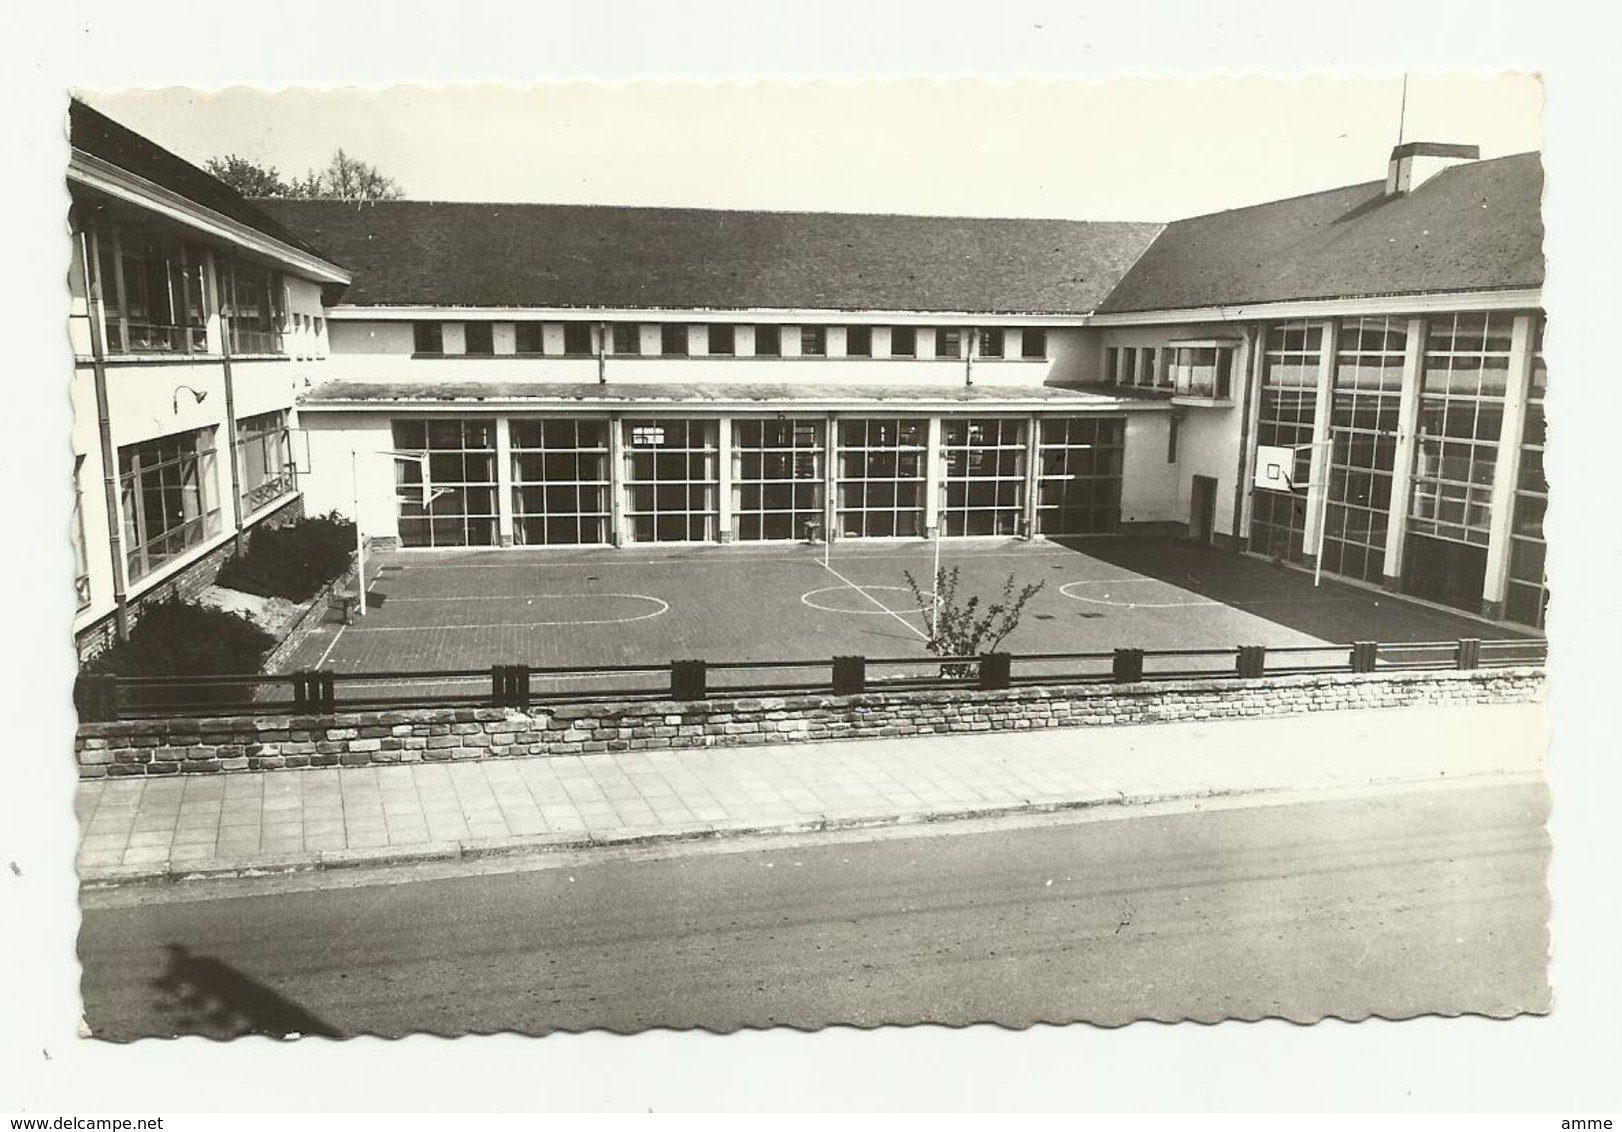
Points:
(134, 829)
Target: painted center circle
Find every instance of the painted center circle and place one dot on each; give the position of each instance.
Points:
(848, 599)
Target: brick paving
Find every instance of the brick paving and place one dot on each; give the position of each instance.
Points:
(576, 607)
(296, 819)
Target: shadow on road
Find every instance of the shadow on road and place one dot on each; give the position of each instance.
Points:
(207, 997)
(1332, 611)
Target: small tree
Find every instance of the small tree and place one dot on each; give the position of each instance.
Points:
(344, 178)
(249, 178)
(959, 627)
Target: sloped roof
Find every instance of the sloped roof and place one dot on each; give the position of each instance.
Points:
(425, 253)
(1475, 227)
(92, 132)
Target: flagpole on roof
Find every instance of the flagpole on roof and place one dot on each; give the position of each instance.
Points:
(1402, 112)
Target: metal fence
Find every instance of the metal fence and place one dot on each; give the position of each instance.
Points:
(103, 697)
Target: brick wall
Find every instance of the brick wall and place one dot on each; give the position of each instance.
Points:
(185, 584)
(196, 746)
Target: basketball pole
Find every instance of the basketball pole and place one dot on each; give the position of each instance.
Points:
(360, 540)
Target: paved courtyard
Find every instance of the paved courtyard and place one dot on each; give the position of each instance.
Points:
(469, 609)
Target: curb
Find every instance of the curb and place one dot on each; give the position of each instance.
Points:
(321, 860)
(373, 856)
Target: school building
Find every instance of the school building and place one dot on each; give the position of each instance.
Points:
(1350, 381)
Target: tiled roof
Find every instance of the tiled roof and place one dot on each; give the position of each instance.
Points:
(422, 253)
(642, 393)
(1474, 227)
(92, 132)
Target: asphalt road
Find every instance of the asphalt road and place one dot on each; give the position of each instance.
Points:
(1392, 905)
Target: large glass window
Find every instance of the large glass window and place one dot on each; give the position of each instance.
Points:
(673, 339)
(1197, 370)
(723, 339)
(859, 341)
(672, 480)
(1461, 410)
(1035, 344)
(152, 294)
(1363, 448)
(1286, 416)
(627, 338)
(429, 337)
(461, 510)
(478, 338)
(768, 341)
(264, 460)
(253, 306)
(578, 339)
(169, 498)
(529, 337)
(776, 478)
(984, 476)
(1079, 479)
(560, 481)
(903, 341)
(948, 342)
(881, 478)
(813, 341)
(1528, 596)
(991, 343)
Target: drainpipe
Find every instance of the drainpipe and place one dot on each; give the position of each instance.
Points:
(968, 356)
(602, 353)
(88, 247)
(211, 282)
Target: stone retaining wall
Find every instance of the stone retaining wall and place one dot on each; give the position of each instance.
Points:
(202, 746)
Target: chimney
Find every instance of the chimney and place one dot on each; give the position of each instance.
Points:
(1414, 163)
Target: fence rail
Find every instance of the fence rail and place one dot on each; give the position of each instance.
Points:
(102, 697)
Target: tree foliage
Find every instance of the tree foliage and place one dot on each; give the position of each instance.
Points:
(959, 626)
(344, 178)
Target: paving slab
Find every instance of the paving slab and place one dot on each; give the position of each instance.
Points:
(288, 820)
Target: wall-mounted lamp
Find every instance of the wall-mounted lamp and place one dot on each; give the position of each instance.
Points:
(197, 395)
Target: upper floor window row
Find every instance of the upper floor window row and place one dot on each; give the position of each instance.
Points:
(725, 340)
(1187, 369)
(155, 296)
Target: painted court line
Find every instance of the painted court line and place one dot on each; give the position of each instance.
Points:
(911, 628)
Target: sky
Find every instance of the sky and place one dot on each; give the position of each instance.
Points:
(1123, 149)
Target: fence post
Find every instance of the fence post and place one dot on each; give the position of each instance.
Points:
(687, 679)
(1128, 666)
(520, 686)
(1252, 661)
(326, 692)
(498, 685)
(1365, 655)
(95, 694)
(850, 675)
(995, 668)
(1469, 652)
(301, 691)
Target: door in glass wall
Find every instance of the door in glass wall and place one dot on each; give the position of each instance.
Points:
(881, 477)
(984, 477)
(462, 482)
(1363, 449)
(1079, 478)
(1288, 412)
(560, 482)
(777, 473)
(671, 480)
(1527, 599)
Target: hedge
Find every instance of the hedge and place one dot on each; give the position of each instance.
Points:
(292, 561)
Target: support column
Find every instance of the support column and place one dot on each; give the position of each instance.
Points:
(1250, 413)
(1033, 472)
(89, 253)
(617, 534)
(932, 478)
(504, 481)
(1318, 477)
(830, 477)
(723, 480)
(211, 299)
(1402, 473)
(1507, 467)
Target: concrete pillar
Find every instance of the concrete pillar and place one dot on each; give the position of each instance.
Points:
(213, 320)
(1402, 473)
(837, 342)
(504, 338)
(830, 476)
(1318, 477)
(1507, 467)
(932, 477)
(723, 475)
(743, 341)
(504, 482)
(552, 339)
(790, 337)
(1033, 469)
(881, 341)
(618, 535)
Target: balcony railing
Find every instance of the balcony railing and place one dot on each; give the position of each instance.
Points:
(127, 337)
